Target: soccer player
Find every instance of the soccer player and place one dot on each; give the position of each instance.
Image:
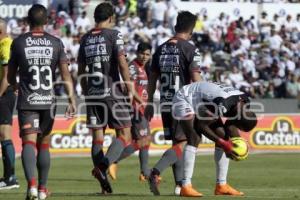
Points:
(36, 55)
(175, 63)
(140, 130)
(102, 52)
(199, 107)
(7, 103)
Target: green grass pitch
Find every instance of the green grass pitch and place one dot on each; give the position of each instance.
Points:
(261, 176)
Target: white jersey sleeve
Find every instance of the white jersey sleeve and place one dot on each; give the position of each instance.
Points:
(198, 94)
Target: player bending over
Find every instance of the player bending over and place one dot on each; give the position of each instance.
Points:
(199, 107)
(36, 55)
(140, 131)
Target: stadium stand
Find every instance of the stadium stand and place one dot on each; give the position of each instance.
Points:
(259, 56)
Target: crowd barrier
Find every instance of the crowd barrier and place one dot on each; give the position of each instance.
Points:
(274, 132)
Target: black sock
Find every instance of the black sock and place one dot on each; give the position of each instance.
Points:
(97, 152)
(8, 158)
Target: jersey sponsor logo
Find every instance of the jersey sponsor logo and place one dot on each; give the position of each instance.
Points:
(99, 91)
(228, 88)
(169, 49)
(188, 110)
(95, 50)
(38, 99)
(38, 52)
(169, 62)
(282, 134)
(97, 59)
(94, 39)
(169, 59)
(37, 42)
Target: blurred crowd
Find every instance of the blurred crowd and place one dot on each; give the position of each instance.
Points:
(258, 56)
(251, 1)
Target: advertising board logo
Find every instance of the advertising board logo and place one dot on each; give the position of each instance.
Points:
(283, 134)
(76, 138)
(14, 9)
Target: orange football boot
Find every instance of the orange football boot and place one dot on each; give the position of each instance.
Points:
(189, 191)
(226, 189)
(112, 171)
(142, 178)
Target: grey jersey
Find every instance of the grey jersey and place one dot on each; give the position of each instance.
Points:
(174, 60)
(225, 97)
(99, 51)
(37, 55)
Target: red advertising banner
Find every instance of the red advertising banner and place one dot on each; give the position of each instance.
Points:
(273, 133)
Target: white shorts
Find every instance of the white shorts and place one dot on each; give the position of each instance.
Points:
(181, 108)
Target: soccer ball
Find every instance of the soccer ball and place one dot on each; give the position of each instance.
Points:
(240, 149)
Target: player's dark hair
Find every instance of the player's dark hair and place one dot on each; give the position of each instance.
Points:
(246, 122)
(103, 11)
(144, 46)
(37, 15)
(185, 22)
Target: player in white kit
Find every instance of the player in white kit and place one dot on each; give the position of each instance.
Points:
(199, 107)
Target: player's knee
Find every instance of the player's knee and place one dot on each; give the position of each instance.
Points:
(125, 133)
(97, 134)
(45, 139)
(7, 136)
(148, 139)
(147, 142)
(29, 138)
(125, 137)
(5, 132)
(4, 136)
